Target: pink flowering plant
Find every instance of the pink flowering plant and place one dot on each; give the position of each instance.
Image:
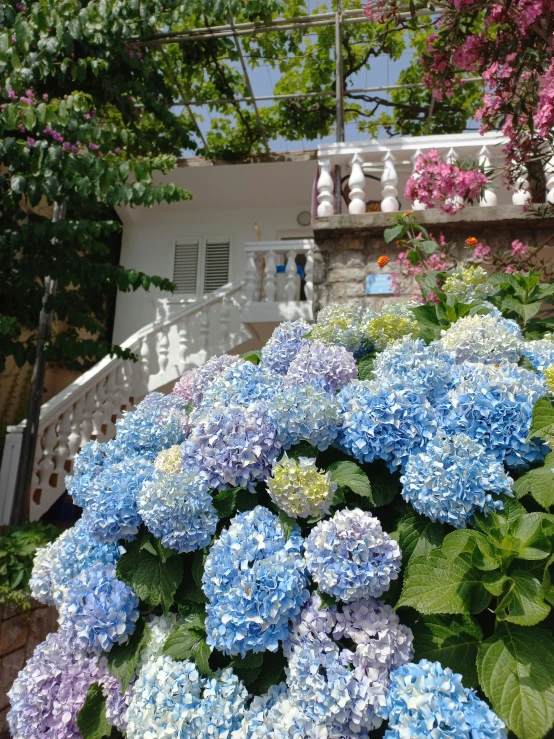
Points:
(510, 46)
(427, 263)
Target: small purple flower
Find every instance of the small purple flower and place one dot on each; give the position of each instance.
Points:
(11, 94)
(48, 131)
(66, 146)
(26, 100)
(31, 141)
(92, 146)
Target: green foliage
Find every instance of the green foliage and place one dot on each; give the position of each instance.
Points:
(523, 298)
(542, 421)
(91, 719)
(77, 138)
(501, 567)
(538, 482)
(516, 672)
(153, 571)
(189, 642)
(123, 658)
(18, 545)
(350, 475)
(417, 535)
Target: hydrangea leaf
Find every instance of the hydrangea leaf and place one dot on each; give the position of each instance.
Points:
(539, 483)
(123, 658)
(327, 601)
(273, 672)
(483, 552)
(248, 668)
(350, 475)
(435, 584)
(254, 356)
(451, 640)
(189, 642)
(225, 502)
(516, 672)
(417, 535)
(365, 366)
(91, 719)
(287, 523)
(542, 422)
(524, 603)
(197, 569)
(153, 579)
(302, 449)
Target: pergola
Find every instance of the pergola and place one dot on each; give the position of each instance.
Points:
(339, 19)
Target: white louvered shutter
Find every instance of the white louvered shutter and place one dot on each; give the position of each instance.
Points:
(185, 268)
(216, 265)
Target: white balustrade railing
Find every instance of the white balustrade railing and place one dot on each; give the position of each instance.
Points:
(272, 274)
(377, 171)
(87, 409)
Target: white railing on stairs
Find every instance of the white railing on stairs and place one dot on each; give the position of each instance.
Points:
(87, 409)
(374, 172)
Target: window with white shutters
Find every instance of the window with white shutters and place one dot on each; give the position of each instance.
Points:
(216, 265)
(185, 267)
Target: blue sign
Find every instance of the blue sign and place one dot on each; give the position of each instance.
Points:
(379, 284)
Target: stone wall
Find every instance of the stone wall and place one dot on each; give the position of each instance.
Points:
(20, 632)
(347, 247)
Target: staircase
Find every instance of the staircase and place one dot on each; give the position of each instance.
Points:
(88, 408)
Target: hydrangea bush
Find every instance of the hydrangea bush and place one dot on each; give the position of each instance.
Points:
(350, 538)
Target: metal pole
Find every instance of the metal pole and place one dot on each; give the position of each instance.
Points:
(22, 502)
(339, 96)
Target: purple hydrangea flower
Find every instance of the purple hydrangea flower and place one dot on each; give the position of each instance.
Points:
(332, 366)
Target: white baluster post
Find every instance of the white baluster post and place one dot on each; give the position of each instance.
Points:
(488, 198)
(325, 189)
(183, 344)
(205, 329)
(120, 386)
(224, 316)
(251, 277)
(46, 463)
(144, 364)
(88, 409)
(111, 409)
(291, 275)
(417, 204)
(356, 184)
(270, 277)
(389, 181)
(62, 449)
(98, 412)
(309, 275)
(74, 439)
(521, 194)
(163, 348)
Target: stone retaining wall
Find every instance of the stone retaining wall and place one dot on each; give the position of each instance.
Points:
(20, 632)
(347, 247)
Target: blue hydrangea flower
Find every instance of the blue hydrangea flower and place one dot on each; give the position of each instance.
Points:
(305, 412)
(165, 692)
(231, 447)
(203, 376)
(452, 477)
(242, 385)
(51, 689)
(156, 423)
(483, 338)
(178, 509)
(332, 366)
(98, 611)
(284, 344)
(58, 563)
(540, 352)
(170, 694)
(426, 369)
(255, 581)
(426, 699)
(493, 405)
(350, 556)
(88, 465)
(343, 686)
(254, 724)
(110, 510)
(384, 421)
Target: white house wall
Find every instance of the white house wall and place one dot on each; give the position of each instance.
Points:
(227, 201)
